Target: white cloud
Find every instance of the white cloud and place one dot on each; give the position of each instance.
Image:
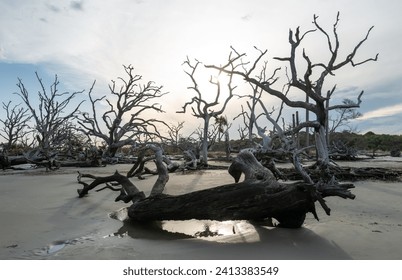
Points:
(156, 35)
(86, 40)
(2, 53)
(382, 112)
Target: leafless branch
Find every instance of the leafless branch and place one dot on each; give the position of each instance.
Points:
(348, 105)
(123, 119)
(48, 115)
(15, 125)
(199, 106)
(308, 81)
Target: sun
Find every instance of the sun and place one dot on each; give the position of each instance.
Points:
(220, 78)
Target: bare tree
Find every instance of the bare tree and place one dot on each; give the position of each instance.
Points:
(50, 115)
(306, 81)
(15, 124)
(199, 133)
(174, 133)
(203, 109)
(123, 121)
(244, 129)
(72, 142)
(174, 136)
(250, 117)
(343, 117)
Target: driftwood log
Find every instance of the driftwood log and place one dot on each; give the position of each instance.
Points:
(258, 196)
(346, 173)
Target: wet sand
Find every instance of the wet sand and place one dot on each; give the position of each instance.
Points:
(42, 218)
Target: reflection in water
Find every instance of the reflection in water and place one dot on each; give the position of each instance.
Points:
(53, 248)
(225, 231)
(198, 239)
(208, 230)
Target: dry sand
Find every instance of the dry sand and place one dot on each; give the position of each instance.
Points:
(42, 218)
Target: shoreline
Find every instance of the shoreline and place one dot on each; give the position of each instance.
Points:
(42, 218)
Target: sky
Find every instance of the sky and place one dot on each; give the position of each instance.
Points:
(86, 40)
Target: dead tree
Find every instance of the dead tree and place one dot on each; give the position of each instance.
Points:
(342, 119)
(174, 136)
(306, 81)
(258, 197)
(244, 130)
(174, 133)
(203, 109)
(4, 160)
(50, 115)
(15, 124)
(340, 150)
(250, 118)
(123, 122)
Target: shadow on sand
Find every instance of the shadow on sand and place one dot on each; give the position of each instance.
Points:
(193, 240)
(234, 240)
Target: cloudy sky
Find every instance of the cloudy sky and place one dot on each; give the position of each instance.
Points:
(86, 40)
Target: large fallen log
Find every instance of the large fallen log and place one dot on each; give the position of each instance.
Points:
(238, 201)
(259, 196)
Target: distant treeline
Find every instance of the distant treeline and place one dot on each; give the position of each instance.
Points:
(364, 143)
(370, 141)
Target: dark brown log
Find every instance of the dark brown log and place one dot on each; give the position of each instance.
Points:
(258, 197)
(80, 163)
(238, 201)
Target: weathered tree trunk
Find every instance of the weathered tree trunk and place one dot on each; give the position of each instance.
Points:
(16, 160)
(322, 147)
(258, 197)
(204, 145)
(346, 173)
(190, 159)
(239, 201)
(111, 150)
(227, 145)
(4, 161)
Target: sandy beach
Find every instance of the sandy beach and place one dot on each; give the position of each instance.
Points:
(42, 218)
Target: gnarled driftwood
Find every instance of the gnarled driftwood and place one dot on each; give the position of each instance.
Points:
(259, 196)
